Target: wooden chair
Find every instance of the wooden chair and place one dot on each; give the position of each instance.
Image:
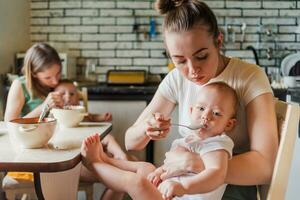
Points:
(83, 95)
(25, 188)
(287, 122)
(18, 188)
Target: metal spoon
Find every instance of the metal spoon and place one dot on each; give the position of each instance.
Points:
(191, 126)
(43, 113)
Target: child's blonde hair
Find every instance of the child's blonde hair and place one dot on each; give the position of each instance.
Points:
(38, 58)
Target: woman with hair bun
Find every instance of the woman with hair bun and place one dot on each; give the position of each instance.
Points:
(193, 42)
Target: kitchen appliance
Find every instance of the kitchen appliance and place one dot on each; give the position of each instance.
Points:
(290, 65)
(126, 77)
(68, 65)
(290, 69)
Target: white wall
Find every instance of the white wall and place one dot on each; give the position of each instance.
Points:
(14, 31)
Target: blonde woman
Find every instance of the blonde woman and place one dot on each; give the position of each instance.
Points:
(29, 93)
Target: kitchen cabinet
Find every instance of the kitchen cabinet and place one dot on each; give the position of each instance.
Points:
(124, 113)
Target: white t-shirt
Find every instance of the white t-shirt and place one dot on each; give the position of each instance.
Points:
(248, 80)
(196, 145)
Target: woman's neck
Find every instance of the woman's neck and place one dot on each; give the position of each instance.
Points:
(223, 62)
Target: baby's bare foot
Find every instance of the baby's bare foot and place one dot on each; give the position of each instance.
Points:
(91, 150)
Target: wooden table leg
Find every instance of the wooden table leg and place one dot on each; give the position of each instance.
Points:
(38, 187)
(61, 185)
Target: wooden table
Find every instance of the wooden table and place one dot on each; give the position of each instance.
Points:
(56, 167)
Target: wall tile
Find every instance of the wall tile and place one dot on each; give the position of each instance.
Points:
(81, 12)
(115, 12)
(98, 54)
(38, 5)
(81, 29)
(65, 4)
(47, 13)
(98, 4)
(133, 5)
(243, 4)
(98, 20)
(46, 29)
(64, 37)
(97, 37)
(65, 20)
(103, 30)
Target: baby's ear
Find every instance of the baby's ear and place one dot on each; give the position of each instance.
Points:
(230, 124)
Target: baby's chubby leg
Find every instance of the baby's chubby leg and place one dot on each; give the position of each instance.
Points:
(92, 152)
(113, 175)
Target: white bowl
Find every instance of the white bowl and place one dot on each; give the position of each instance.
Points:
(28, 133)
(69, 117)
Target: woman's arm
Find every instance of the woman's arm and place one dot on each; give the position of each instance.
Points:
(16, 101)
(138, 135)
(256, 166)
(211, 177)
(179, 162)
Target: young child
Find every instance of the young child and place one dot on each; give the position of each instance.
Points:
(215, 111)
(71, 97)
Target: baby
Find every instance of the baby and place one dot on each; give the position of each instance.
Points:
(71, 97)
(215, 111)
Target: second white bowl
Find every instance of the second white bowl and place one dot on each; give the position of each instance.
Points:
(68, 117)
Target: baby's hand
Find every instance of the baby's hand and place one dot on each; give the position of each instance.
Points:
(170, 189)
(107, 117)
(100, 117)
(154, 178)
